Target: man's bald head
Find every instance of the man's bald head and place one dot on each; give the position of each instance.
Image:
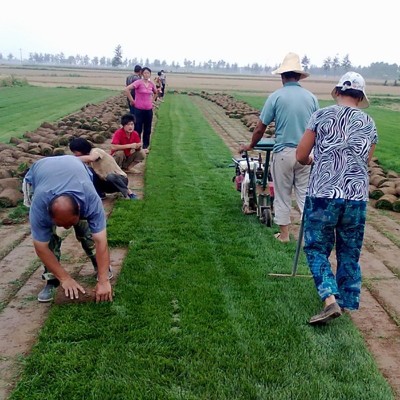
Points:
(64, 210)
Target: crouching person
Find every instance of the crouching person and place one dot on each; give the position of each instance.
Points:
(108, 177)
(63, 195)
(126, 146)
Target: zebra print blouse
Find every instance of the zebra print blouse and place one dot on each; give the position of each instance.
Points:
(343, 139)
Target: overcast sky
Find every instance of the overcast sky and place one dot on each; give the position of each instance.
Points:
(246, 32)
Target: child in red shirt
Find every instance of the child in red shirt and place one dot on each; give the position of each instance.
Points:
(126, 146)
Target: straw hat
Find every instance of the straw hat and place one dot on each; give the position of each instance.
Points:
(291, 63)
(352, 80)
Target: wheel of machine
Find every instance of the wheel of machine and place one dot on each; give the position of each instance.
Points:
(266, 217)
(252, 202)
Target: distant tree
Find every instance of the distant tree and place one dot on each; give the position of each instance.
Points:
(247, 68)
(327, 64)
(102, 61)
(187, 64)
(208, 64)
(71, 60)
(256, 68)
(221, 64)
(117, 59)
(95, 61)
(267, 69)
(335, 64)
(1, 56)
(85, 60)
(346, 63)
(382, 70)
(10, 57)
(305, 62)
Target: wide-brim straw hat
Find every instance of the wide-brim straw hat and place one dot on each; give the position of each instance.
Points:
(291, 63)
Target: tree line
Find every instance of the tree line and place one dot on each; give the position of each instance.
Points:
(331, 66)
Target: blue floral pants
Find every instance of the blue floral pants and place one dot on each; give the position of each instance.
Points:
(342, 222)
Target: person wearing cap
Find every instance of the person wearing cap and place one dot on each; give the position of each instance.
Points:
(64, 196)
(290, 107)
(342, 138)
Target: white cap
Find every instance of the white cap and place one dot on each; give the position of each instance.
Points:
(352, 80)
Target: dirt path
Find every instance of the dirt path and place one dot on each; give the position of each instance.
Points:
(21, 317)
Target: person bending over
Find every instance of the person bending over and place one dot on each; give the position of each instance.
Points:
(108, 177)
(60, 193)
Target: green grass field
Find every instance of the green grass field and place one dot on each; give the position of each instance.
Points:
(196, 314)
(25, 108)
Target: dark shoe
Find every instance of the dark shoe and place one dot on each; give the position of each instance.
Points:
(47, 293)
(102, 195)
(110, 274)
(327, 314)
(132, 196)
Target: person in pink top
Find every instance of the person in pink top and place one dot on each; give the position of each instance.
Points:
(145, 93)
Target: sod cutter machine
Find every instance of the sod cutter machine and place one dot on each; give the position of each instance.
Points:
(253, 180)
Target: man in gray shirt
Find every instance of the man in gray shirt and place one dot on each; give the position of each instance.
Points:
(64, 196)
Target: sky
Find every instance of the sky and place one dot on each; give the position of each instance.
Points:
(247, 32)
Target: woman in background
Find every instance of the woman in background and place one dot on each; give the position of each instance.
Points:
(145, 93)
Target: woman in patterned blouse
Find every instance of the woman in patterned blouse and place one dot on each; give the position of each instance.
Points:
(342, 140)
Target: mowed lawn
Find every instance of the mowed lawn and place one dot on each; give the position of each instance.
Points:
(25, 108)
(196, 314)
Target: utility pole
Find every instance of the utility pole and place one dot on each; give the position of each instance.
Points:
(20, 54)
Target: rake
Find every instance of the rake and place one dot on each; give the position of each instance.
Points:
(298, 249)
(297, 254)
